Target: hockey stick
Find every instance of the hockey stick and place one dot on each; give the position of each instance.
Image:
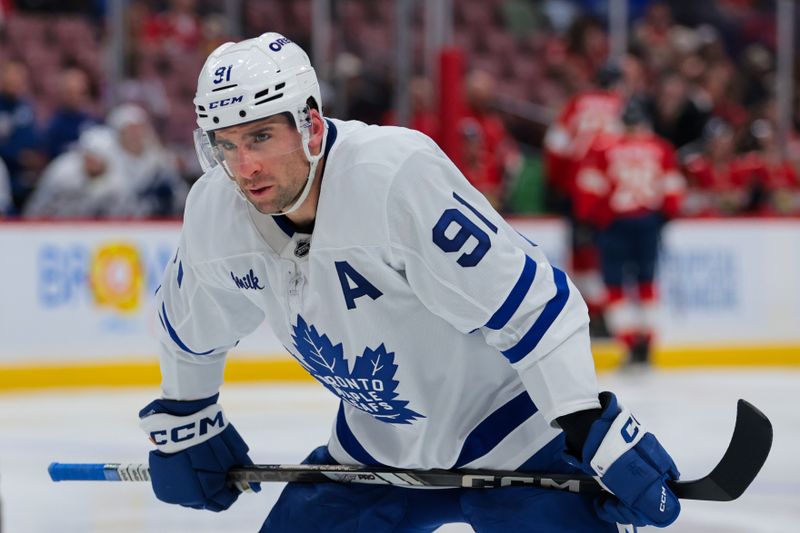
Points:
(746, 453)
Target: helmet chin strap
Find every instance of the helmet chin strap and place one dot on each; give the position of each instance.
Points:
(312, 160)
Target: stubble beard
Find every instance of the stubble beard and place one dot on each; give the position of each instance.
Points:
(284, 196)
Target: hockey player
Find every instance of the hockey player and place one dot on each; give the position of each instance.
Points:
(628, 187)
(448, 337)
(586, 117)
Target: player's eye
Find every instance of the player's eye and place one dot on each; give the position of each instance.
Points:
(261, 137)
(226, 146)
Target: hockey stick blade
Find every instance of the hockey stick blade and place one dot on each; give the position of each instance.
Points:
(746, 454)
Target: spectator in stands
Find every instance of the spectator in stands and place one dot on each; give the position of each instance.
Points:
(692, 68)
(771, 180)
(144, 86)
(423, 116)
(487, 150)
(756, 73)
(659, 40)
(587, 50)
(628, 186)
(366, 88)
(72, 115)
(716, 187)
(151, 173)
(652, 33)
(84, 182)
(5, 190)
(718, 84)
(676, 117)
(20, 146)
(178, 28)
(474, 160)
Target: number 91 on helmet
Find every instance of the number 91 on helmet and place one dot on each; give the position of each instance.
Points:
(248, 82)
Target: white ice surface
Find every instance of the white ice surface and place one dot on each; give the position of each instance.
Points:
(692, 413)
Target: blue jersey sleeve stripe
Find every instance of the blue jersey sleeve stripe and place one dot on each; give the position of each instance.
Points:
(551, 311)
(174, 335)
(496, 427)
(546, 456)
(349, 441)
(476, 212)
(514, 300)
(527, 239)
(180, 274)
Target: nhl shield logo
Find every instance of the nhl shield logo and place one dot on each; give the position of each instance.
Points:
(301, 248)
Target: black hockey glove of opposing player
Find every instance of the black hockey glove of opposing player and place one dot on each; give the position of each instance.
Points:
(632, 465)
(195, 449)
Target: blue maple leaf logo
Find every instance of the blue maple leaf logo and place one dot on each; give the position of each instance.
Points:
(370, 387)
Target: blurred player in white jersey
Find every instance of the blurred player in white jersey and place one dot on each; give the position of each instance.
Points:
(447, 335)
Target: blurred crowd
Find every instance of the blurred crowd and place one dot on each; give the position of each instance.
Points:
(72, 144)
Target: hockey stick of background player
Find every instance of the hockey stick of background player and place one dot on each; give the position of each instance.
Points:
(746, 454)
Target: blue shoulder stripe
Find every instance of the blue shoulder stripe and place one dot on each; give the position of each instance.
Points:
(551, 311)
(349, 441)
(501, 317)
(174, 335)
(496, 427)
(476, 212)
(527, 239)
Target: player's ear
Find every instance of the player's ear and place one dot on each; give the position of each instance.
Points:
(317, 131)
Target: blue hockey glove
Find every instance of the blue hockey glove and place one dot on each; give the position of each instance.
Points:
(632, 465)
(195, 448)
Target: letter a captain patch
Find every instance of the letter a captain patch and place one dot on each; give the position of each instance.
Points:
(354, 285)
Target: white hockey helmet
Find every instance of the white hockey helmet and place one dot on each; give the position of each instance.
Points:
(251, 80)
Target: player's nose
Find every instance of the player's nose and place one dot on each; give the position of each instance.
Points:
(249, 164)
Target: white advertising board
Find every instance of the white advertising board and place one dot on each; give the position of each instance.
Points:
(730, 282)
(83, 291)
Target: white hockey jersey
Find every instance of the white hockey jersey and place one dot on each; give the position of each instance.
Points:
(449, 338)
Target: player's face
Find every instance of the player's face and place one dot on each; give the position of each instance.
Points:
(266, 160)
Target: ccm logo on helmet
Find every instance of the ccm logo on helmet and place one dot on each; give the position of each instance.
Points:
(187, 431)
(225, 101)
(276, 46)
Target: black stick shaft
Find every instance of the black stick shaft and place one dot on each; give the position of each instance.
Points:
(744, 457)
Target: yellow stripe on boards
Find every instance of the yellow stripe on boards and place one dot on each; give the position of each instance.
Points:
(136, 373)
(748, 356)
(79, 374)
(145, 372)
(609, 355)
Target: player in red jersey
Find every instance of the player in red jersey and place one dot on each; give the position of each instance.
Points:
(586, 117)
(627, 188)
